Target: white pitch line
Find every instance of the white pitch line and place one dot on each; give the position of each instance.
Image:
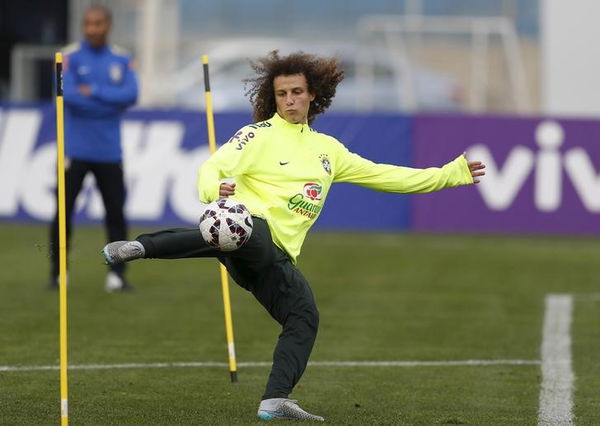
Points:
(467, 363)
(556, 393)
(586, 297)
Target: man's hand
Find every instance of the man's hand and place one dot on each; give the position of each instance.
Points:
(226, 189)
(476, 168)
(85, 90)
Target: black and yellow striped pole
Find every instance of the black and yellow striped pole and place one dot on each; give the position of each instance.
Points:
(62, 241)
(224, 278)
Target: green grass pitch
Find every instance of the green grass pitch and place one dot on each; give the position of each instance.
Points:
(382, 297)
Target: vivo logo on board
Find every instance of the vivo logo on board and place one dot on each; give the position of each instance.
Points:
(549, 167)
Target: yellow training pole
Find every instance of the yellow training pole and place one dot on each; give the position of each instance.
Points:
(224, 279)
(62, 242)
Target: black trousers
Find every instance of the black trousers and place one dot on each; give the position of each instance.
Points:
(110, 182)
(266, 271)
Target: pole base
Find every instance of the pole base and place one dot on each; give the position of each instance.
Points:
(234, 378)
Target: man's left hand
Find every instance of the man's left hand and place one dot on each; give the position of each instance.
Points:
(476, 168)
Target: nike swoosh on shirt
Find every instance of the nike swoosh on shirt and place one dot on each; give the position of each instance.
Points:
(283, 163)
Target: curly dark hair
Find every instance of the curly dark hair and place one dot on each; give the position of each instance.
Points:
(322, 74)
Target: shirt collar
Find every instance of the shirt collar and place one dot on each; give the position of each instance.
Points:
(282, 122)
(95, 49)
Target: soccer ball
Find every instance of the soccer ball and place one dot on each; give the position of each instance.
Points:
(226, 224)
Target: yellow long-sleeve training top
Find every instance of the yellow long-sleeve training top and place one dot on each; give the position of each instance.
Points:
(283, 172)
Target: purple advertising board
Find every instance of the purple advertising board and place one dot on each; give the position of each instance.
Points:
(542, 175)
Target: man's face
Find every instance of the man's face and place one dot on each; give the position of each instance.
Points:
(292, 97)
(96, 27)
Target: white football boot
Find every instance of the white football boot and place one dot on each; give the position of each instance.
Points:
(284, 409)
(122, 251)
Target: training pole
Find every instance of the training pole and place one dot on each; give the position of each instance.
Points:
(210, 122)
(62, 241)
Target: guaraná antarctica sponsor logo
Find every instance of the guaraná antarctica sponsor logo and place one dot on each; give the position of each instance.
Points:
(299, 204)
(313, 191)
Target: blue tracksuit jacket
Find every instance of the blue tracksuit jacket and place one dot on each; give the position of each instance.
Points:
(92, 124)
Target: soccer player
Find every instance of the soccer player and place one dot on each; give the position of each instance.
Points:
(283, 170)
(99, 84)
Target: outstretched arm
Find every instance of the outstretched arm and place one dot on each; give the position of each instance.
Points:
(353, 168)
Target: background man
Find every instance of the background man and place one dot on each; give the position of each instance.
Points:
(99, 84)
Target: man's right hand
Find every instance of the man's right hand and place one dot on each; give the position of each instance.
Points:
(226, 189)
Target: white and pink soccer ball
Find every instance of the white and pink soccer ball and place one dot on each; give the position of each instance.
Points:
(226, 224)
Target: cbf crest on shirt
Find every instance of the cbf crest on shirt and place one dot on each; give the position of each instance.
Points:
(326, 163)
